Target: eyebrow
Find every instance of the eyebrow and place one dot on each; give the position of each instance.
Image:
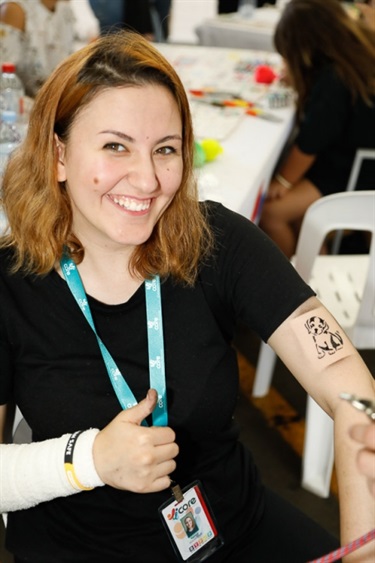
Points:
(132, 140)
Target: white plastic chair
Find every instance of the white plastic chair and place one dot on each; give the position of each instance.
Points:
(346, 286)
(360, 156)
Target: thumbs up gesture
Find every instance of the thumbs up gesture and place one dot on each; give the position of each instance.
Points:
(133, 457)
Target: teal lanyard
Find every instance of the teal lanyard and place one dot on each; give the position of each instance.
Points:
(155, 342)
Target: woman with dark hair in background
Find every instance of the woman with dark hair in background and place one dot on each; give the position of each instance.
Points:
(330, 62)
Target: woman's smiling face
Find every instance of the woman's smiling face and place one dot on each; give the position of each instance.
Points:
(122, 164)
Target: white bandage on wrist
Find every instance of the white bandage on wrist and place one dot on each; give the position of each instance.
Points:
(35, 473)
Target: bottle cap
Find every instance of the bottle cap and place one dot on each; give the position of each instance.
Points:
(8, 67)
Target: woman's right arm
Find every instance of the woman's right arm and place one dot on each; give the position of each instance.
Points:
(124, 455)
(35, 473)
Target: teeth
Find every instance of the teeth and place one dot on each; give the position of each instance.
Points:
(131, 204)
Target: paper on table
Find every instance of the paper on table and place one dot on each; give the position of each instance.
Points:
(214, 122)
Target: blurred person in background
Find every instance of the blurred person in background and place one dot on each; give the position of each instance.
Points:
(36, 36)
(163, 10)
(87, 25)
(110, 14)
(138, 18)
(330, 62)
(136, 15)
(227, 6)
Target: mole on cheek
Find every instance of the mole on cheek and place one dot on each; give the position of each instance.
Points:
(96, 180)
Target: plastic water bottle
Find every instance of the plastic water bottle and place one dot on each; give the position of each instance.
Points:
(10, 138)
(12, 91)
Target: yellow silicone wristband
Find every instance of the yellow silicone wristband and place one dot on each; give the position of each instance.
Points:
(68, 463)
(73, 479)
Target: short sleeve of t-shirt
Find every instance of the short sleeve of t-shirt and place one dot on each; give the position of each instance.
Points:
(326, 113)
(253, 279)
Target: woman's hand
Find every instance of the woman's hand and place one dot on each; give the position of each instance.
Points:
(365, 434)
(133, 457)
(276, 190)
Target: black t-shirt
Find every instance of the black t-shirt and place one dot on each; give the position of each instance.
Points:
(51, 365)
(333, 128)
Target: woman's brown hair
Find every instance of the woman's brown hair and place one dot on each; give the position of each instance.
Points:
(37, 205)
(314, 33)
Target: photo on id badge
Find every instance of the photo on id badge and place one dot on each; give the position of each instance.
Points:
(190, 525)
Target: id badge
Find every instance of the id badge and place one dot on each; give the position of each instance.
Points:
(190, 524)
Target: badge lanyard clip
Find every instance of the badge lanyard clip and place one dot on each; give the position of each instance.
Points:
(177, 492)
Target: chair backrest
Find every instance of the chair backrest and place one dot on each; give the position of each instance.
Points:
(360, 156)
(354, 210)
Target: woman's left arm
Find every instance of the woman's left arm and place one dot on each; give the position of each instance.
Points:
(319, 354)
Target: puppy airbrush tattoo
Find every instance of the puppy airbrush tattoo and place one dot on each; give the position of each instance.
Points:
(326, 342)
(320, 338)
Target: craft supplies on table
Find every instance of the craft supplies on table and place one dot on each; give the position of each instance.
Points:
(251, 144)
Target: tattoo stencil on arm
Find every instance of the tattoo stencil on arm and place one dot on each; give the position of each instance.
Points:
(325, 341)
(320, 341)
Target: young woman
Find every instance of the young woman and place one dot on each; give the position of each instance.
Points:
(330, 62)
(119, 294)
